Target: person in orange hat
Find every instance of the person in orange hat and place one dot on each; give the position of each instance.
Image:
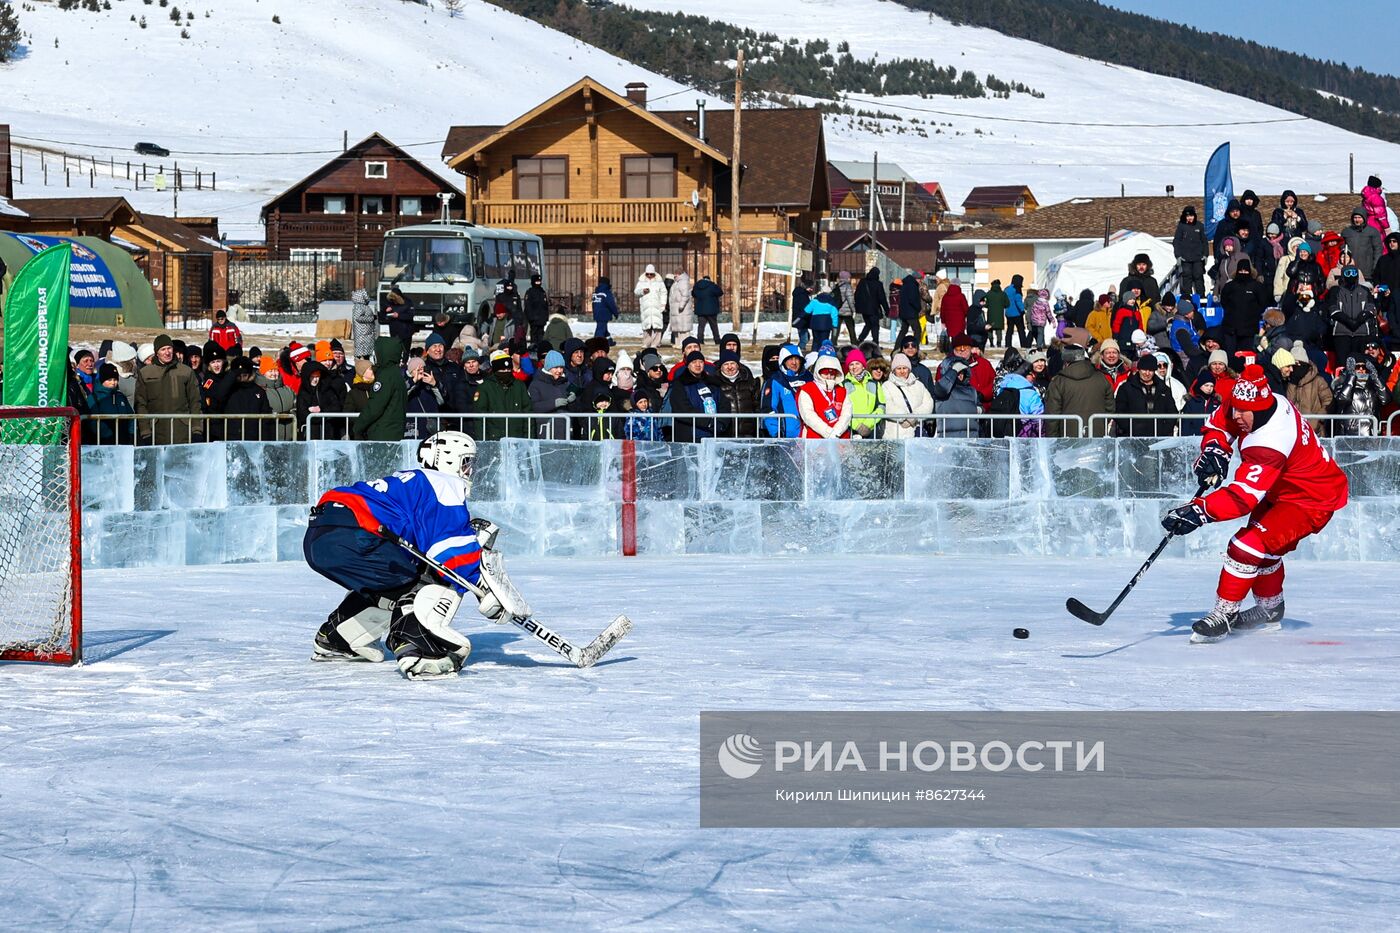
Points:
(1286, 482)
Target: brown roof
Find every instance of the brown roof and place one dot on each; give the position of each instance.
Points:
(172, 231)
(784, 153)
(75, 208)
(995, 196)
(353, 153)
(462, 138)
(1087, 218)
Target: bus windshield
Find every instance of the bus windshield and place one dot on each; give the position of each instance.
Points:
(427, 259)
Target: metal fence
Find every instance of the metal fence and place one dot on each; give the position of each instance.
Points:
(279, 287)
(1179, 424)
(147, 430)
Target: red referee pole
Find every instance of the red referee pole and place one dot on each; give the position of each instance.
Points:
(629, 499)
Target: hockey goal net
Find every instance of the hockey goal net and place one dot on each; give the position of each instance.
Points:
(40, 543)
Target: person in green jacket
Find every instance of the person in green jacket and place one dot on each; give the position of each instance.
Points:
(383, 417)
(997, 303)
(865, 395)
(502, 394)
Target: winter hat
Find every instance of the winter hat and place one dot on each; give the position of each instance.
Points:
(855, 356)
(1138, 338)
(692, 339)
(1252, 390)
(826, 362)
(647, 359)
(843, 276)
(601, 367)
(433, 339)
(649, 270)
(1147, 361)
(1077, 336)
(500, 361)
(1305, 247)
(594, 345)
(1217, 356)
(298, 352)
(145, 352)
(899, 360)
(624, 361)
(212, 351)
(267, 365)
(694, 355)
(241, 365)
(107, 371)
(1111, 344)
(960, 341)
(122, 352)
(161, 342)
(1273, 229)
(362, 368)
(470, 353)
(1274, 317)
(728, 356)
(1162, 359)
(552, 359)
(337, 345)
(1359, 212)
(1299, 352)
(1373, 182)
(1143, 258)
(1036, 356)
(1169, 300)
(1282, 358)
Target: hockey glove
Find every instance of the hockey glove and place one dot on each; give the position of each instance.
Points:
(486, 531)
(1185, 519)
(1212, 465)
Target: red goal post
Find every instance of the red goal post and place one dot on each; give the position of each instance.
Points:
(40, 536)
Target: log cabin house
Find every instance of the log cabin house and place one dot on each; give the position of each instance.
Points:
(342, 210)
(611, 185)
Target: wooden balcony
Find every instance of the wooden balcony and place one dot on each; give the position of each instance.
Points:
(581, 217)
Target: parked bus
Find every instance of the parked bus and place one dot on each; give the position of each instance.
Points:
(457, 267)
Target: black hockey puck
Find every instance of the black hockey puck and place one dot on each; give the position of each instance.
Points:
(1021, 632)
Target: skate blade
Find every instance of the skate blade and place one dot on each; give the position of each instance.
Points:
(1198, 639)
(321, 655)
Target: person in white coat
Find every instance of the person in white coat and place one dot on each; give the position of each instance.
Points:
(905, 395)
(682, 308)
(651, 301)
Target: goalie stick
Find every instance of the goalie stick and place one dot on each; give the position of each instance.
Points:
(585, 656)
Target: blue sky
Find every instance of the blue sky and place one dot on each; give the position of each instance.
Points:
(1367, 34)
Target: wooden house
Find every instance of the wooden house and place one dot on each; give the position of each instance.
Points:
(97, 217)
(184, 260)
(903, 203)
(998, 202)
(613, 186)
(342, 210)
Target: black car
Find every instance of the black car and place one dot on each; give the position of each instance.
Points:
(151, 149)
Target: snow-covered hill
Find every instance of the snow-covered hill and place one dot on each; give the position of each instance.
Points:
(263, 103)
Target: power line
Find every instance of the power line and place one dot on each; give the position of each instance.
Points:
(1132, 126)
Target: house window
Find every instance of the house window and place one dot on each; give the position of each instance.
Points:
(376, 169)
(542, 179)
(411, 206)
(649, 177)
(889, 189)
(316, 255)
(334, 204)
(371, 205)
(848, 213)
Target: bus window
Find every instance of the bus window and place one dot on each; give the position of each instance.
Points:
(403, 258)
(448, 260)
(491, 267)
(527, 259)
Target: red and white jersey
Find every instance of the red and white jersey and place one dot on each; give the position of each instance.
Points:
(1282, 461)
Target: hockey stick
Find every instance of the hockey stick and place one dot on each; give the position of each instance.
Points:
(587, 656)
(1081, 611)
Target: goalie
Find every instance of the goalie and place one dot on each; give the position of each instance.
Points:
(352, 539)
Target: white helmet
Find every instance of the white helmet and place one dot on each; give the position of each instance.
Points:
(449, 452)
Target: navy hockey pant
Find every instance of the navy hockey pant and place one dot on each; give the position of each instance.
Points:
(340, 550)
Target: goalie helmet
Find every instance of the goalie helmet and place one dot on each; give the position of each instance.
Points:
(449, 452)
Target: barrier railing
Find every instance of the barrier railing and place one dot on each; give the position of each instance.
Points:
(146, 430)
(943, 424)
(1183, 424)
(562, 426)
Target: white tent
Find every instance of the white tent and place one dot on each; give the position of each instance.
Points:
(1097, 267)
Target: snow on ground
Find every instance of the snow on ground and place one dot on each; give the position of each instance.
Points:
(243, 84)
(200, 771)
(1059, 161)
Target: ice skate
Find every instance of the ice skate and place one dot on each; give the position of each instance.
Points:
(1215, 626)
(329, 645)
(1264, 616)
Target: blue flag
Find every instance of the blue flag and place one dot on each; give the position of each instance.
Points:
(1220, 188)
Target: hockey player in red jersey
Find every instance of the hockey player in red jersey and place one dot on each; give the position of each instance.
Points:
(1287, 484)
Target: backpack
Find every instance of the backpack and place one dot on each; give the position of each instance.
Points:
(1005, 402)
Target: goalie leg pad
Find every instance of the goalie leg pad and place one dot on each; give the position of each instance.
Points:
(426, 646)
(500, 600)
(351, 631)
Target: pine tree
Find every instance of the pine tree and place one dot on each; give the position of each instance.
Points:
(453, 7)
(9, 32)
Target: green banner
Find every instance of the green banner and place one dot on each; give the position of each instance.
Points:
(36, 331)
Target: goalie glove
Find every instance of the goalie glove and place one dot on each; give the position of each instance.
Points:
(486, 532)
(1212, 464)
(1185, 519)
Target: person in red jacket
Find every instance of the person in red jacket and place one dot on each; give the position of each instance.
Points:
(821, 403)
(982, 375)
(1288, 485)
(953, 311)
(226, 335)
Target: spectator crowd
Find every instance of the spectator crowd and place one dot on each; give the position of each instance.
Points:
(1317, 309)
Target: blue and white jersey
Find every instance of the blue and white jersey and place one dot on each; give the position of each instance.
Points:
(426, 508)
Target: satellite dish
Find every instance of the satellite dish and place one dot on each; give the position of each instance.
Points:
(694, 198)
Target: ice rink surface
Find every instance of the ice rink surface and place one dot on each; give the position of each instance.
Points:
(200, 772)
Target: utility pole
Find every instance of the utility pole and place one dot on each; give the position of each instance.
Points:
(734, 163)
(344, 140)
(176, 189)
(1351, 173)
(874, 196)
